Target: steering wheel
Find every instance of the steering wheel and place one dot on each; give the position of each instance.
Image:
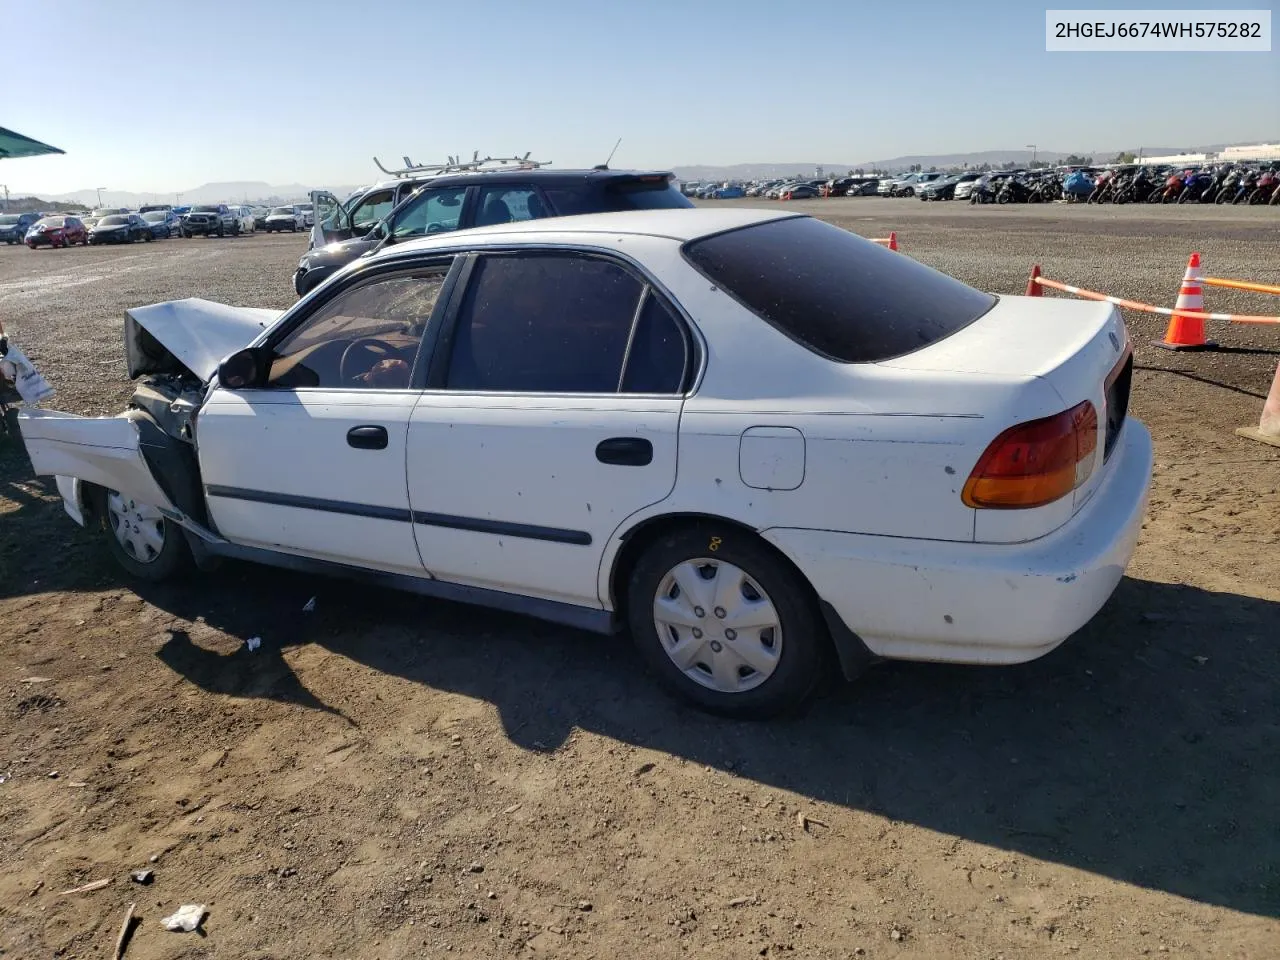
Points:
(361, 355)
(435, 228)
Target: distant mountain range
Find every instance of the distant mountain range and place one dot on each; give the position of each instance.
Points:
(235, 191)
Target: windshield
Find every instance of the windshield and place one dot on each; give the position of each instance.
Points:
(204, 209)
(155, 216)
(835, 293)
(285, 211)
(8, 220)
(54, 221)
(114, 221)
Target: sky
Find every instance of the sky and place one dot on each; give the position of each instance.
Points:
(157, 95)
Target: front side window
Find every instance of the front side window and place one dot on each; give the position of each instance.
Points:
(562, 324)
(365, 338)
(835, 293)
(431, 211)
(372, 209)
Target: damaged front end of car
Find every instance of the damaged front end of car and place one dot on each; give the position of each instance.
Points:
(148, 452)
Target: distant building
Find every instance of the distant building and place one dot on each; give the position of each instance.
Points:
(1253, 151)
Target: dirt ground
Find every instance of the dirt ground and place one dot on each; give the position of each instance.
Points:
(393, 777)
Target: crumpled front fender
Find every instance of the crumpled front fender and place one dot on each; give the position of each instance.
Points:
(101, 450)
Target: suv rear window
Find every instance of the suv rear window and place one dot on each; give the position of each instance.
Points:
(619, 195)
(841, 296)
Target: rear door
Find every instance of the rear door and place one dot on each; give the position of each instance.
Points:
(551, 415)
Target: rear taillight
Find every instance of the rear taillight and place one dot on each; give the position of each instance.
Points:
(1036, 462)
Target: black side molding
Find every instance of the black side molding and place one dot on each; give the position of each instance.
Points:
(502, 528)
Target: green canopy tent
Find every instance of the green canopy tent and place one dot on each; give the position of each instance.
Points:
(13, 144)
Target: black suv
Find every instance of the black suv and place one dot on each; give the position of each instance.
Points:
(479, 199)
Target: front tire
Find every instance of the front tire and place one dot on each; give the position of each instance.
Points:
(147, 545)
(725, 623)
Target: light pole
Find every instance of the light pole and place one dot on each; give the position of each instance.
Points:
(1032, 148)
(177, 199)
(100, 189)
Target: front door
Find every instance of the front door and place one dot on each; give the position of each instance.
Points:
(552, 416)
(312, 460)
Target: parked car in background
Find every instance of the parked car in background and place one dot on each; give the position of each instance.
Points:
(308, 214)
(945, 188)
(800, 191)
(913, 186)
(260, 215)
(208, 219)
(58, 231)
(968, 183)
(243, 217)
(459, 201)
(730, 191)
(744, 569)
(163, 223)
(120, 228)
(283, 218)
(14, 226)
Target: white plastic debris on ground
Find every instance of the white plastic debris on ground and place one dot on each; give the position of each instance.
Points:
(253, 643)
(186, 919)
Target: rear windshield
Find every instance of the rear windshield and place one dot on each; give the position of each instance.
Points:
(154, 216)
(839, 295)
(54, 221)
(113, 221)
(204, 209)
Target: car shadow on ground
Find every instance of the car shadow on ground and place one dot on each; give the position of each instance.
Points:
(1142, 750)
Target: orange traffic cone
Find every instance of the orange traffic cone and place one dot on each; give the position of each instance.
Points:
(893, 240)
(1268, 428)
(1034, 289)
(1186, 330)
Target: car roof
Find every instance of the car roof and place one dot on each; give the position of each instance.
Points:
(681, 224)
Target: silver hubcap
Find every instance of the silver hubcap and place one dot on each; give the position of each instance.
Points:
(717, 625)
(138, 527)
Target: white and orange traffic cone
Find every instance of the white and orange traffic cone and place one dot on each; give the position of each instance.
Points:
(1268, 428)
(1186, 330)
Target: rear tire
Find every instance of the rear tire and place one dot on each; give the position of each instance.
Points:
(773, 669)
(147, 545)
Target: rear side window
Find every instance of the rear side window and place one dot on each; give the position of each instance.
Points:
(618, 195)
(564, 324)
(841, 296)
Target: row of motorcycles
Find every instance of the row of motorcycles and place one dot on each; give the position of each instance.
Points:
(1224, 184)
(1228, 183)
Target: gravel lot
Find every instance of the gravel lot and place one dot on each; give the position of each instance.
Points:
(392, 777)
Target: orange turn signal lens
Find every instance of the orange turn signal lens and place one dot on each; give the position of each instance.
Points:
(1037, 462)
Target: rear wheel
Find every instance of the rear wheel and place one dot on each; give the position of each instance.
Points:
(725, 623)
(144, 543)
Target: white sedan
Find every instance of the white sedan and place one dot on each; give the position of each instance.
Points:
(757, 441)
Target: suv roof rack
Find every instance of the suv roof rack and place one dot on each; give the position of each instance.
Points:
(454, 165)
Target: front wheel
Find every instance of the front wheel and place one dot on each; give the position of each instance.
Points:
(726, 623)
(146, 544)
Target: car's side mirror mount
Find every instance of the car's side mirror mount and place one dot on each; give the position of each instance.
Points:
(245, 369)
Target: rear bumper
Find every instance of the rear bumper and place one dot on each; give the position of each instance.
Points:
(982, 603)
